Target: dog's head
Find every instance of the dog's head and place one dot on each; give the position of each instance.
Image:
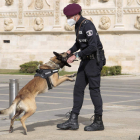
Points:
(62, 58)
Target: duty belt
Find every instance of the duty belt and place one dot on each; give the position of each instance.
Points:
(88, 57)
(98, 55)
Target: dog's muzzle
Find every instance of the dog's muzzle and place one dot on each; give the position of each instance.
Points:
(69, 55)
(65, 61)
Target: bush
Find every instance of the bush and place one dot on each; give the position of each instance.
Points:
(30, 67)
(118, 70)
(105, 71)
(114, 70)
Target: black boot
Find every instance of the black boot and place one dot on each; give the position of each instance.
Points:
(96, 125)
(71, 123)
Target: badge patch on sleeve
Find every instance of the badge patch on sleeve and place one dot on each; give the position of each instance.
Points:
(89, 33)
(80, 32)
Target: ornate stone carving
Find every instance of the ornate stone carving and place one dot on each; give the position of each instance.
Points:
(57, 25)
(20, 16)
(11, 14)
(47, 3)
(138, 1)
(31, 3)
(131, 10)
(119, 11)
(8, 24)
(57, 9)
(9, 2)
(88, 2)
(137, 24)
(90, 19)
(74, 1)
(119, 15)
(38, 24)
(36, 14)
(67, 27)
(97, 12)
(20, 12)
(129, 2)
(38, 4)
(105, 23)
(105, 0)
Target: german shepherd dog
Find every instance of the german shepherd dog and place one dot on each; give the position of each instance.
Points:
(25, 100)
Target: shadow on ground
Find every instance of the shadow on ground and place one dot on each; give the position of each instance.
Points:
(31, 127)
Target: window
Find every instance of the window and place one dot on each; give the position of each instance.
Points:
(6, 41)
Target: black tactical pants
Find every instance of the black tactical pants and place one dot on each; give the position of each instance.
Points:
(88, 73)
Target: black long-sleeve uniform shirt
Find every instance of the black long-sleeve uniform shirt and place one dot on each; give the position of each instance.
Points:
(88, 39)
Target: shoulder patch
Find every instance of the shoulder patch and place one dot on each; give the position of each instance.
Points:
(89, 32)
(80, 32)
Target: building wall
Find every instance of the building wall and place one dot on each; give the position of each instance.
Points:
(36, 28)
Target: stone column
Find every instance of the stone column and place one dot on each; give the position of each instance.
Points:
(57, 12)
(119, 15)
(20, 16)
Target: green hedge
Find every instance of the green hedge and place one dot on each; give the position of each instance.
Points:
(114, 70)
(30, 67)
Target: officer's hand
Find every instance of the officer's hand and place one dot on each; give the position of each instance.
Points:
(71, 59)
(69, 51)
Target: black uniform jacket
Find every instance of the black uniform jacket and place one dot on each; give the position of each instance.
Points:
(88, 39)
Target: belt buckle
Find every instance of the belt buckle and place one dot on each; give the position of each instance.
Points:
(91, 56)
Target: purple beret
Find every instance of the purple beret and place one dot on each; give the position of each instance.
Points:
(72, 9)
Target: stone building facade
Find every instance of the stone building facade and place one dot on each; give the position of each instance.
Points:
(32, 29)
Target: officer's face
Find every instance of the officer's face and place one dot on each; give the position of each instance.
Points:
(72, 17)
(68, 17)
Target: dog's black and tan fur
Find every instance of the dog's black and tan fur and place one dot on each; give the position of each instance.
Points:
(25, 100)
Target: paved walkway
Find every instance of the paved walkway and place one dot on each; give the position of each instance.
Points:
(121, 97)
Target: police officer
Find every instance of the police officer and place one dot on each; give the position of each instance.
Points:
(88, 41)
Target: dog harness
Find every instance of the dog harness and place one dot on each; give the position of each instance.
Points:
(43, 73)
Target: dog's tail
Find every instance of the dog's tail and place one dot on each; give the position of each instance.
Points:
(11, 108)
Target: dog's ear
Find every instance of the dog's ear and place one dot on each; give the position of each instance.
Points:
(56, 54)
(67, 65)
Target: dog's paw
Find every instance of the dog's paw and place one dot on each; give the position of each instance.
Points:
(72, 75)
(11, 130)
(25, 132)
(71, 80)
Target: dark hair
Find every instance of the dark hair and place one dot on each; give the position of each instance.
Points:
(80, 13)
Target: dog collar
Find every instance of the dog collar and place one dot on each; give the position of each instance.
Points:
(56, 64)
